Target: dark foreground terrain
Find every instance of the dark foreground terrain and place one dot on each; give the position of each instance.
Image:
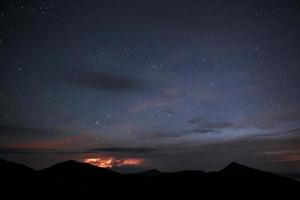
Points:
(74, 180)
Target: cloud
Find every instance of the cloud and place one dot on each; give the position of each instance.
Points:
(198, 120)
(101, 81)
(204, 126)
(111, 162)
(290, 132)
(198, 126)
(29, 132)
(123, 150)
(199, 130)
(203, 123)
(176, 134)
(129, 150)
(216, 125)
(34, 151)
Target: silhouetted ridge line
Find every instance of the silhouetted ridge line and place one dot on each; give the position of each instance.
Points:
(8, 168)
(234, 167)
(75, 180)
(151, 172)
(74, 168)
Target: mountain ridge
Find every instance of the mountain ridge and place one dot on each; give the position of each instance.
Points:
(72, 179)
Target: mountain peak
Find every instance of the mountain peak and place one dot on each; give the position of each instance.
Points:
(235, 167)
(69, 164)
(4, 164)
(8, 168)
(72, 167)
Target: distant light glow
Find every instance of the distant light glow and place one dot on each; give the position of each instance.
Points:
(110, 162)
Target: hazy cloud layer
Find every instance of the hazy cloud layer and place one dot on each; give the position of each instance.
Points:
(288, 133)
(198, 126)
(101, 81)
(123, 150)
(30, 132)
(130, 150)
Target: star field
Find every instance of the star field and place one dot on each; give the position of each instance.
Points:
(172, 84)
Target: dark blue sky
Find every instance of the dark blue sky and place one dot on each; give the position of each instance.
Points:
(174, 84)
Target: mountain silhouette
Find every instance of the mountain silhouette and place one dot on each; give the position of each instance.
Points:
(10, 169)
(234, 167)
(15, 179)
(74, 169)
(295, 176)
(75, 180)
(151, 172)
(237, 171)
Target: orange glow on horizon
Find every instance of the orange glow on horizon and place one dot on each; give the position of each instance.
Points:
(110, 162)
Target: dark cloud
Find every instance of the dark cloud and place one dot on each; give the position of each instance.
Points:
(176, 134)
(200, 126)
(79, 151)
(29, 130)
(34, 151)
(19, 132)
(290, 132)
(203, 123)
(216, 125)
(198, 120)
(123, 150)
(101, 81)
(199, 130)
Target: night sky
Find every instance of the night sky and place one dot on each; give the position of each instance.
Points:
(142, 84)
